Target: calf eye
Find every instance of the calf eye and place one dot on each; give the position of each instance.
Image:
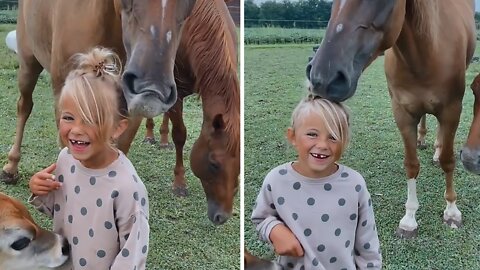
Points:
(20, 243)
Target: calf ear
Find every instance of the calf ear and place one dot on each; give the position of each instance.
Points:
(218, 124)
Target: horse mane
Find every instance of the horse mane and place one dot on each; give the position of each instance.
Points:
(215, 67)
(426, 19)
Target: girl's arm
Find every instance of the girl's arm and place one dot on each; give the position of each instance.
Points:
(264, 215)
(41, 185)
(367, 245)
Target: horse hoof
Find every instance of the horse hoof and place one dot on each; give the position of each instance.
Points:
(421, 146)
(436, 162)
(149, 140)
(404, 234)
(180, 191)
(452, 223)
(165, 146)
(9, 178)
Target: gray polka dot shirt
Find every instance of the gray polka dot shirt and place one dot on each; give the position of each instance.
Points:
(332, 217)
(102, 212)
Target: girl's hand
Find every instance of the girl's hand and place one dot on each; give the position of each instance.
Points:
(43, 181)
(285, 242)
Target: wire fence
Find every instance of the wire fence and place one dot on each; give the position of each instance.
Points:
(301, 24)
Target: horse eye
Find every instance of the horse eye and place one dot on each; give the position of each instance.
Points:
(20, 243)
(213, 167)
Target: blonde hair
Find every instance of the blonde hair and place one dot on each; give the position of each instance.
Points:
(94, 86)
(334, 115)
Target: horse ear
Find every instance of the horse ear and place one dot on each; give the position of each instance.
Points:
(218, 124)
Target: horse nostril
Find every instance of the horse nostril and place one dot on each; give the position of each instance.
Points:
(219, 219)
(338, 88)
(129, 79)
(309, 68)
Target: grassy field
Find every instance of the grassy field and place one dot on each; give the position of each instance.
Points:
(274, 83)
(278, 35)
(182, 237)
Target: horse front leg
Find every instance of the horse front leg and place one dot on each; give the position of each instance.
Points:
(408, 226)
(179, 137)
(27, 74)
(448, 124)
(125, 140)
(149, 135)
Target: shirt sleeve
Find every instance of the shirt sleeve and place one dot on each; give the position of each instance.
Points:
(44, 203)
(367, 244)
(133, 236)
(264, 214)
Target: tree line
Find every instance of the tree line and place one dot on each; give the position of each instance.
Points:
(8, 4)
(301, 14)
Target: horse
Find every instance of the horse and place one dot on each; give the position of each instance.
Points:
(428, 46)
(469, 154)
(146, 35)
(206, 64)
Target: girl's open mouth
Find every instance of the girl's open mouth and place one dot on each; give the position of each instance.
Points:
(320, 156)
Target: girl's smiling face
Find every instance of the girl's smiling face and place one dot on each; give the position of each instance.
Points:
(317, 149)
(82, 138)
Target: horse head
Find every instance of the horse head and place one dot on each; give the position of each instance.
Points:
(220, 177)
(357, 32)
(151, 34)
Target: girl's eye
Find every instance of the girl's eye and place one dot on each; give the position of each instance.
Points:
(331, 138)
(312, 134)
(67, 118)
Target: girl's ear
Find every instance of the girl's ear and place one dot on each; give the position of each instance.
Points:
(121, 127)
(291, 135)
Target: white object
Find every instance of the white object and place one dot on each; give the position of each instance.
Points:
(11, 40)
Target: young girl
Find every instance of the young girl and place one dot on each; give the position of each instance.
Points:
(315, 212)
(93, 193)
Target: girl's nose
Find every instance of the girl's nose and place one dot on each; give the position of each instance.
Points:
(321, 143)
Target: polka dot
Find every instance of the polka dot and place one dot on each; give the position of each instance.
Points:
(93, 180)
(91, 232)
(347, 244)
(99, 202)
(358, 188)
(135, 196)
(338, 231)
(290, 265)
(70, 219)
(83, 211)
(369, 202)
(321, 248)
(341, 202)
(307, 232)
(364, 223)
(302, 267)
(72, 169)
(333, 259)
(315, 262)
(143, 201)
(114, 194)
(82, 261)
(272, 206)
(353, 216)
(295, 216)
(112, 174)
(60, 178)
(125, 252)
(101, 253)
(370, 265)
(56, 207)
(327, 187)
(283, 171)
(344, 175)
(297, 185)
(108, 225)
(311, 201)
(281, 200)
(144, 249)
(269, 187)
(356, 252)
(366, 246)
(75, 240)
(135, 179)
(126, 236)
(77, 189)
(325, 217)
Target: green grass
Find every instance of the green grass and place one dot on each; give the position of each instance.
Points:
(278, 35)
(274, 83)
(181, 235)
